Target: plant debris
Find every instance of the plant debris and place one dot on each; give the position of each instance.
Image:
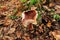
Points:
(29, 19)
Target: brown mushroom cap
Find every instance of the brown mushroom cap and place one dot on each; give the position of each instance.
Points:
(29, 17)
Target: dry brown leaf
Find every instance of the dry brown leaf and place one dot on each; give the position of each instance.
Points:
(40, 27)
(49, 24)
(17, 6)
(26, 38)
(12, 30)
(8, 37)
(13, 1)
(5, 29)
(51, 4)
(19, 14)
(43, 1)
(58, 1)
(7, 22)
(4, 7)
(56, 34)
(33, 8)
(57, 8)
(18, 33)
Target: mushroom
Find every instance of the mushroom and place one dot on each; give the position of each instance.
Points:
(29, 17)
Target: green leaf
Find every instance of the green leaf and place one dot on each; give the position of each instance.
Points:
(32, 2)
(56, 16)
(23, 0)
(39, 15)
(13, 17)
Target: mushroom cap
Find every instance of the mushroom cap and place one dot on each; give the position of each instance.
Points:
(29, 17)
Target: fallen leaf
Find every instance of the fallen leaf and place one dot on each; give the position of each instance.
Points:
(40, 27)
(11, 30)
(7, 22)
(57, 1)
(49, 24)
(19, 14)
(51, 4)
(56, 34)
(18, 33)
(4, 7)
(33, 8)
